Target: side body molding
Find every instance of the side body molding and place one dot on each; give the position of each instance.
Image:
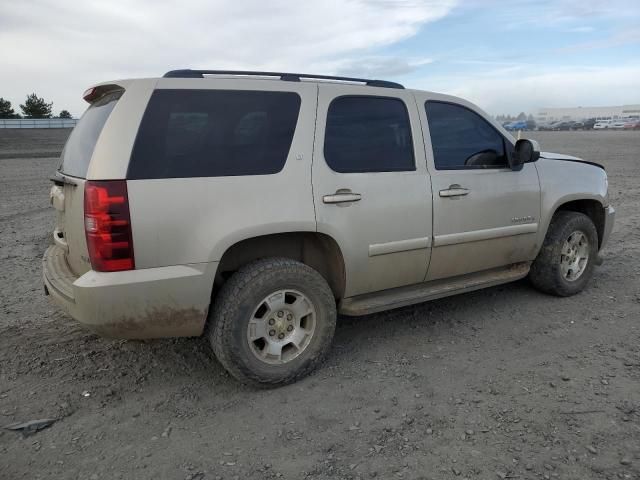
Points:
(399, 246)
(486, 234)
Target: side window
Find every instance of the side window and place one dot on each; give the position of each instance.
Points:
(214, 133)
(462, 139)
(368, 134)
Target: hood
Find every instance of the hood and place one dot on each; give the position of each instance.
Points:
(567, 158)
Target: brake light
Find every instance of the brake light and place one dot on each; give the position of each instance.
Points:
(107, 225)
(90, 94)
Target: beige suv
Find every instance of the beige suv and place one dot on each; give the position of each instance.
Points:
(256, 206)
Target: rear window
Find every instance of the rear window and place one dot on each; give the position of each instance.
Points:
(214, 133)
(78, 150)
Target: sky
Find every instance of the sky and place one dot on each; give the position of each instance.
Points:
(505, 56)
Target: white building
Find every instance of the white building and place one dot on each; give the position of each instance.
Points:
(546, 115)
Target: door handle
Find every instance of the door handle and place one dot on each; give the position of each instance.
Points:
(342, 196)
(454, 190)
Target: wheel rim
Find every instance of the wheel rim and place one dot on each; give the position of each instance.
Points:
(281, 327)
(574, 256)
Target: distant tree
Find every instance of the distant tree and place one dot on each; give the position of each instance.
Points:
(6, 111)
(522, 116)
(64, 114)
(36, 107)
(530, 118)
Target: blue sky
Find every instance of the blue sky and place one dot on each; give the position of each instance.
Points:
(506, 56)
(523, 55)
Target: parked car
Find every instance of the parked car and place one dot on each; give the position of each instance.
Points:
(563, 125)
(632, 124)
(544, 126)
(618, 124)
(602, 125)
(515, 126)
(588, 124)
(576, 125)
(253, 208)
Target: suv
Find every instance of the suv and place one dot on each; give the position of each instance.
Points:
(602, 125)
(255, 207)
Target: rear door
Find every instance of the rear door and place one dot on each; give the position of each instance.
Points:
(67, 193)
(485, 214)
(370, 185)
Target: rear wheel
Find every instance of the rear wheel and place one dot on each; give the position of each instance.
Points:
(567, 258)
(273, 322)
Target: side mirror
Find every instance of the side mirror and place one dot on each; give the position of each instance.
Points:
(525, 151)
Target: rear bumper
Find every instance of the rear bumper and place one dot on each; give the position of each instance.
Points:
(147, 303)
(609, 219)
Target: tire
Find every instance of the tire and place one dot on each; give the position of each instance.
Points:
(554, 272)
(258, 294)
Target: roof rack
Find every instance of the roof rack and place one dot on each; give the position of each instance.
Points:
(289, 77)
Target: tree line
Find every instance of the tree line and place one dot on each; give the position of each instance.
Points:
(509, 118)
(37, 107)
(33, 107)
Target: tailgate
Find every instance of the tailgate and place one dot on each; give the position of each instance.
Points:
(67, 197)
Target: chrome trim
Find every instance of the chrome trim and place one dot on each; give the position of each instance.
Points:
(60, 177)
(342, 198)
(454, 192)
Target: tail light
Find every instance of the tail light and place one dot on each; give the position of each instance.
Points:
(90, 94)
(107, 225)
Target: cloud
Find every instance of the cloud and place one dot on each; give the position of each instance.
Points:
(592, 9)
(583, 29)
(524, 88)
(553, 14)
(59, 47)
(378, 67)
(617, 39)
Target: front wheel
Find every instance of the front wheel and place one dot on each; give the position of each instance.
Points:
(273, 322)
(568, 256)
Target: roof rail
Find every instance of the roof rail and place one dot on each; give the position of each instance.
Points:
(290, 77)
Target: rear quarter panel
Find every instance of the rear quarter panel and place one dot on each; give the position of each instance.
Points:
(193, 220)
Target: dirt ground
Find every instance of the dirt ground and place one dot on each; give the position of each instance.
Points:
(495, 384)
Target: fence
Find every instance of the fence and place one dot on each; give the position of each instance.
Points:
(38, 122)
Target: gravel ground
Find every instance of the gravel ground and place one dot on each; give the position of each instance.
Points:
(500, 383)
(29, 143)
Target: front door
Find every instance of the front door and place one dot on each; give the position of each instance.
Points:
(370, 185)
(485, 214)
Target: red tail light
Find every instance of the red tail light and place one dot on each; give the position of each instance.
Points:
(90, 94)
(107, 225)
